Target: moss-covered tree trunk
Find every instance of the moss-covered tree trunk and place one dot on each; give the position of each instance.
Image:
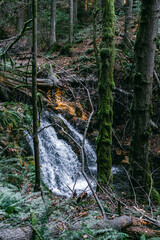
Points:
(105, 86)
(141, 109)
(34, 95)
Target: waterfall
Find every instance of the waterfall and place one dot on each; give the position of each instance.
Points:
(60, 166)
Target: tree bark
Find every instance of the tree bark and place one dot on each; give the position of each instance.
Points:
(96, 50)
(21, 17)
(128, 18)
(53, 23)
(118, 4)
(71, 21)
(141, 107)
(75, 7)
(105, 86)
(118, 223)
(34, 95)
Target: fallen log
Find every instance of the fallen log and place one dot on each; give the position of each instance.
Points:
(11, 81)
(117, 223)
(20, 233)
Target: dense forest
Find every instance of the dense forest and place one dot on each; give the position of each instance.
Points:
(79, 119)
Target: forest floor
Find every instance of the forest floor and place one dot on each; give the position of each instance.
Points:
(51, 216)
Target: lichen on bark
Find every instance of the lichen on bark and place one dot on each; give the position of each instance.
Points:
(105, 86)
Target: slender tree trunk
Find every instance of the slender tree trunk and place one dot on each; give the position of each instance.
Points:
(75, 7)
(141, 108)
(34, 95)
(128, 18)
(96, 51)
(29, 15)
(71, 21)
(53, 23)
(118, 4)
(105, 86)
(21, 17)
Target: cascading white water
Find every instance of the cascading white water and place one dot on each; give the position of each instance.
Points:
(89, 152)
(60, 166)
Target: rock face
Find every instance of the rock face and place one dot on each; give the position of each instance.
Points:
(23, 233)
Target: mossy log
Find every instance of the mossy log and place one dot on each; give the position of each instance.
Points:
(20, 233)
(117, 224)
(10, 80)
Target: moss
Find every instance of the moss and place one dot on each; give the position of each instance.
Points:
(55, 47)
(66, 50)
(151, 108)
(106, 53)
(112, 85)
(155, 197)
(105, 86)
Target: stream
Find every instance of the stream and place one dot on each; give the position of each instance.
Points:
(60, 165)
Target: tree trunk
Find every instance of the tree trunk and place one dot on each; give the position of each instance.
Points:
(53, 23)
(34, 95)
(75, 7)
(70, 21)
(96, 51)
(141, 108)
(128, 18)
(29, 15)
(118, 4)
(21, 17)
(105, 86)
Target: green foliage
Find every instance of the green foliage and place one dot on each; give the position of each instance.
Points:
(62, 24)
(55, 47)
(12, 203)
(89, 51)
(66, 50)
(85, 69)
(107, 234)
(11, 114)
(136, 7)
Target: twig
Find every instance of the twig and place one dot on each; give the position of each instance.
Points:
(125, 129)
(73, 191)
(117, 139)
(157, 79)
(135, 198)
(43, 198)
(68, 135)
(122, 91)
